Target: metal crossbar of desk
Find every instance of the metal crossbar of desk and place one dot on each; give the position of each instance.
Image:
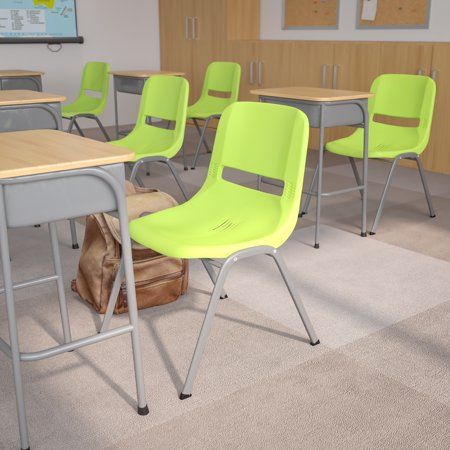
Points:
(326, 114)
(67, 194)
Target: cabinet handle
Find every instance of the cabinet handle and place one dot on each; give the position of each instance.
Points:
(420, 72)
(260, 74)
(194, 28)
(324, 75)
(252, 72)
(335, 75)
(186, 28)
(434, 74)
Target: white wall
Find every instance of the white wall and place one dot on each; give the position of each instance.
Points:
(123, 33)
(271, 23)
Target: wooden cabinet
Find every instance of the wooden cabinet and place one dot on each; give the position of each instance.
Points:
(439, 153)
(194, 33)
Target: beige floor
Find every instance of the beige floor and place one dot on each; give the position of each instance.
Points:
(380, 379)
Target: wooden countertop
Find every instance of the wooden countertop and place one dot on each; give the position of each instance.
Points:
(25, 97)
(312, 94)
(20, 73)
(144, 73)
(42, 151)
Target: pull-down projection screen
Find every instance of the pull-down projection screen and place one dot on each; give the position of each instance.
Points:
(38, 21)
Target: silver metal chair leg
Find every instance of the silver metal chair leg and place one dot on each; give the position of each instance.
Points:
(73, 234)
(206, 328)
(383, 197)
(12, 323)
(356, 173)
(425, 187)
(147, 169)
(200, 142)
(77, 126)
(199, 131)
(313, 183)
(102, 128)
(297, 301)
(113, 298)
(71, 124)
(177, 178)
(59, 283)
(213, 276)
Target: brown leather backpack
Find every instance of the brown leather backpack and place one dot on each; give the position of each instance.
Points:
(159, 279)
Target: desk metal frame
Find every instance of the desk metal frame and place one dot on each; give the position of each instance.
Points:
(30, 82)
(326, 114)
(27, 113)
(116, 197)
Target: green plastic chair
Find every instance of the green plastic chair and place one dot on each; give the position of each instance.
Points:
(227, 221)
(164, 97)
(222, 78)
(396, 95)
(95, 79)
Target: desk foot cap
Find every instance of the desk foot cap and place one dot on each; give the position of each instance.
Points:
(185, 396)
(143, 411)
(224, 297)
(192, 168)
(186, 168)
(372, 233)
(433, 216)
(315, 343)
(75, 246)
(363, 234)
(316, 246)
(36, 226)
(28, 448)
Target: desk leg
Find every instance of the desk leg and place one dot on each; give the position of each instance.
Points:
(116, 109)
(319, 178)
(132, 304)
(365, 173)
(13, 334)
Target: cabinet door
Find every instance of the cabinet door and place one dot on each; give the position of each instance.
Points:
(355, 66)
(176, 35)
(209, 38)
(273, 67)
(311, 63)
(244, 53)
(437, 156)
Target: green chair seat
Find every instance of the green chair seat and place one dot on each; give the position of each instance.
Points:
(385, 141)
(215, 223)
(83, 105)
(209, 107)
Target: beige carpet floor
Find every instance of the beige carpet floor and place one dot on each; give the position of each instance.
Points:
(380, 378)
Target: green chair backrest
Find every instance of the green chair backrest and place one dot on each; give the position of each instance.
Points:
(222, 77)
(405, 96)
(164, 97)
(95, 79)
(268, 140)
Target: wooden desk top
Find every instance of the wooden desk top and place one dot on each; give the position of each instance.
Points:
(312, 94)
(24, 97)
(20, 73)
(42, 151)
(144, 73)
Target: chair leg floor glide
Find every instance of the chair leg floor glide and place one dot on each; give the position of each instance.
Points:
(214, 302)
